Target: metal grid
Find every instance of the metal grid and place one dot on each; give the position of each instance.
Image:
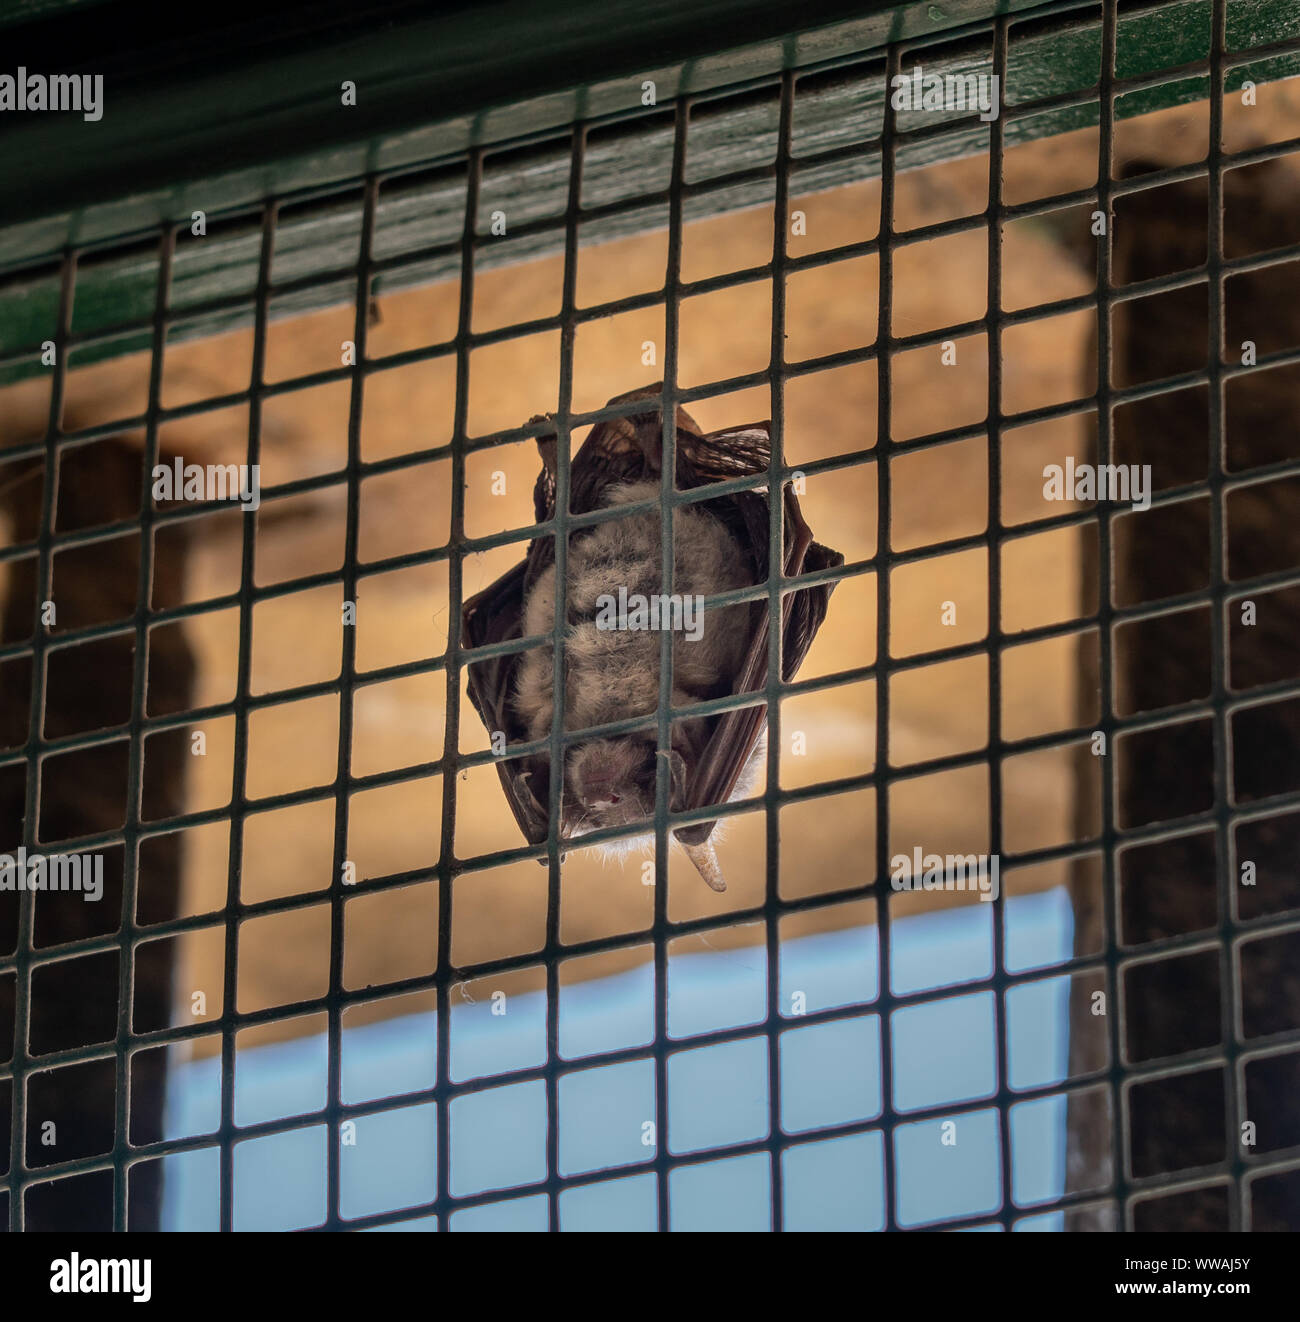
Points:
(1224, 816)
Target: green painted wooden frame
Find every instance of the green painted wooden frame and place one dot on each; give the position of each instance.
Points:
(431, 88)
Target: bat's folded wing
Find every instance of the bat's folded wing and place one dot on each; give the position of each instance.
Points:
(494, 616)
(719, 768)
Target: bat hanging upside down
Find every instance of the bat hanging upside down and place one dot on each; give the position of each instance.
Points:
(611, 665)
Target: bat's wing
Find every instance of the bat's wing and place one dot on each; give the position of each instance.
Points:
(713, 778)
(494, 616)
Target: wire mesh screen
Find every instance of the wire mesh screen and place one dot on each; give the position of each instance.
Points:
(847, 1069)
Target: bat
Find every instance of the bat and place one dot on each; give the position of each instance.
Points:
(612, 673)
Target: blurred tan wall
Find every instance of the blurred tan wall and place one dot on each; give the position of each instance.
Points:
(937, 493)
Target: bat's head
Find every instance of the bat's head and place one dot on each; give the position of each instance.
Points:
(610, 782)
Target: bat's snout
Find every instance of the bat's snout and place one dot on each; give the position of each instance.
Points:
(606, 779)
(598, 792)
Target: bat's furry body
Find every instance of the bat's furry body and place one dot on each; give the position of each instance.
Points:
(719, 545)
(612, 674)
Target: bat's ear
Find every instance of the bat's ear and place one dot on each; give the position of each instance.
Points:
(689, 736)
(530, 792)
(693, 839)
(705, 858)
(546, 444)
(546, 447)
(680, 779)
